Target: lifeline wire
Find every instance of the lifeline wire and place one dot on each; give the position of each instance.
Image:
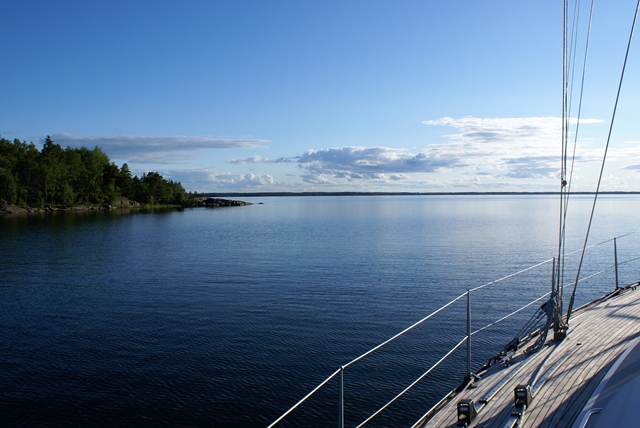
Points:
(459, 344)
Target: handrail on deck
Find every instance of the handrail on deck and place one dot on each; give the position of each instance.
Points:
(467, 337)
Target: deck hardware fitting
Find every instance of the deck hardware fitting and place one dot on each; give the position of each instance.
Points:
(466, 412)
(522, 396)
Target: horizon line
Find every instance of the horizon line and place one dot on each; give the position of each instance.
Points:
(313, 193)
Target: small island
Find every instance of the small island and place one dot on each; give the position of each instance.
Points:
(75, 179)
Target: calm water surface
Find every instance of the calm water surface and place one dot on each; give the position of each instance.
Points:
(226, 317)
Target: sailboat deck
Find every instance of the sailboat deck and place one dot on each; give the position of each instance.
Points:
(573, 368)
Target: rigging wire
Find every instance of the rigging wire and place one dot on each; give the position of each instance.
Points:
(571, 53)
(575, 140)
(584, 68)
(556, 296)
(573, 50)
(569, 59)
(604, 157)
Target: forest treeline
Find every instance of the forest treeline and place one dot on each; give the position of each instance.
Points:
(72, 176)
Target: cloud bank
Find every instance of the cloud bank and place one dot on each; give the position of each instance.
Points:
(205, 178)
(495, 149)
(240, 180)
(505, 138)
(375, 163)
(145, 149)
(635, 168)
(511, 148)
(480, 152)
(260, 159)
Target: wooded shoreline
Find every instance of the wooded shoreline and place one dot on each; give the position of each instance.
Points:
(57, 177)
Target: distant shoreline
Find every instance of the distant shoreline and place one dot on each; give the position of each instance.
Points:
(207, 203)
(265, 194)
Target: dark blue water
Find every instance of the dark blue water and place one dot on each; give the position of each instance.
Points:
(227, 317)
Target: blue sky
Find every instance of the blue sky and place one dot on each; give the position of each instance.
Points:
(321, 96)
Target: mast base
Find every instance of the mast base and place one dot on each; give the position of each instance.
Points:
(560, 335)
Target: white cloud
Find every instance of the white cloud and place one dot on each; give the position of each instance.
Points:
(260, 159)
(372, 165)
(252, 159)
(242, 180)
(517, 147)
(145, 149)
(484, 153)
(499, 149)
(506, 130)
(208, 180)
(635, 168)
(397, 177)
(359, 163)
(316, 179)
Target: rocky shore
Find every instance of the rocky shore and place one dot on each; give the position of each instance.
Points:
(215, 202)
(12, 209)
(209, 202)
